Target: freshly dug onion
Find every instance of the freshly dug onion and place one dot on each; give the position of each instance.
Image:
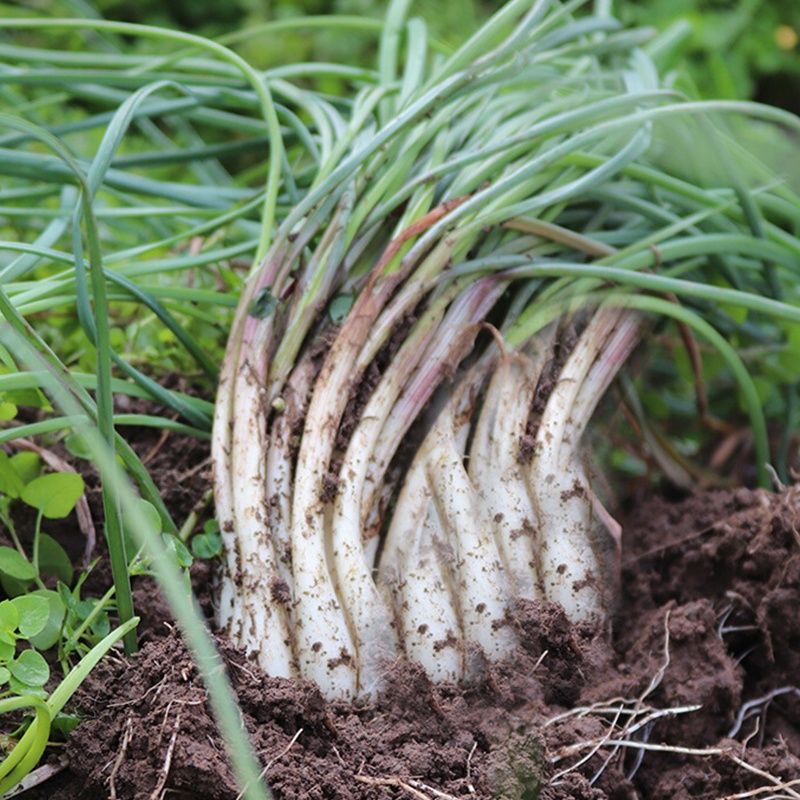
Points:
(390, 480)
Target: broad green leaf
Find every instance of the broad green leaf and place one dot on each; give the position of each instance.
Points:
(27, 465)
(53, 559)
(7, 651)
(339, 307)
(32, 398)
(30, 668)
(211, 526)
(7, 410)
(54, 494)
(152, 516)
(207, 545)
(33, 614)
(68, 599)
(10, 483)
(9, 618)
(64, 724)
(13, 564)
(20, 687)
(4, 676)
(183, 558)
(13, 587)
(83, 608)
(76, 446)
(101, 625)
(51, 632)
(149, 512)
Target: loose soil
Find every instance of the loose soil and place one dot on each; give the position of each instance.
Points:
(693, 695)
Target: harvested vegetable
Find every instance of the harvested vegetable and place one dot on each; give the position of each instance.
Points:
(413, 364)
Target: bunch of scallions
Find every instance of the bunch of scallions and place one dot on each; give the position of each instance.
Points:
(414, 362)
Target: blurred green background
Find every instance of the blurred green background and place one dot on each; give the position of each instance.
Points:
(726, 48)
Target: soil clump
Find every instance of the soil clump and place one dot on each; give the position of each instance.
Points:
(693, 695)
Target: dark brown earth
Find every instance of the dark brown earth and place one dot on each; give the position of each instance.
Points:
(701, 671)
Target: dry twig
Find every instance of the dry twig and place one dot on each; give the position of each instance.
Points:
(158, 792)
(415, 788)
(273, 761)
(126, 738)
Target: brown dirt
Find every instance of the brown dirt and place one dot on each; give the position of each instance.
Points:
(708, 618)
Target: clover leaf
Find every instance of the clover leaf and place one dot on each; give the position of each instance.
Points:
(15, 565)
(30, 668)
(54, 494)
(34, 611)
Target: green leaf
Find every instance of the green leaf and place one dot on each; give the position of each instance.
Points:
(53, 559)
(30, 668)
(68, 598)
(207, 545)
(33, 614)
(4, 676)
(339, 307)
(13, 564)
(264, 304)
(20, 687)
(55, 494)
(83, 608)
(150, 514)
(7, 410)
(101, 625)
(51, 632)
(10, 483)
(27, 465)
(32, 398)
(76, 445)
(7, 651)
(64, 724)
(9, 618)
(178, 550)
(211, 526)
(12, 587)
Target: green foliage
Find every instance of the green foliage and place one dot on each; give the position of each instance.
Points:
(176, 207)
(26, 675)
(724, 48)
(53, 559)
(15, 565)
(207, 544)
(731, 47)
(36, 618)
(85, 621)
(23, 671)
(53, 495)
(51, 632)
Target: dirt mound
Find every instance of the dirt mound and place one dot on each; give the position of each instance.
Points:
(694, 696)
